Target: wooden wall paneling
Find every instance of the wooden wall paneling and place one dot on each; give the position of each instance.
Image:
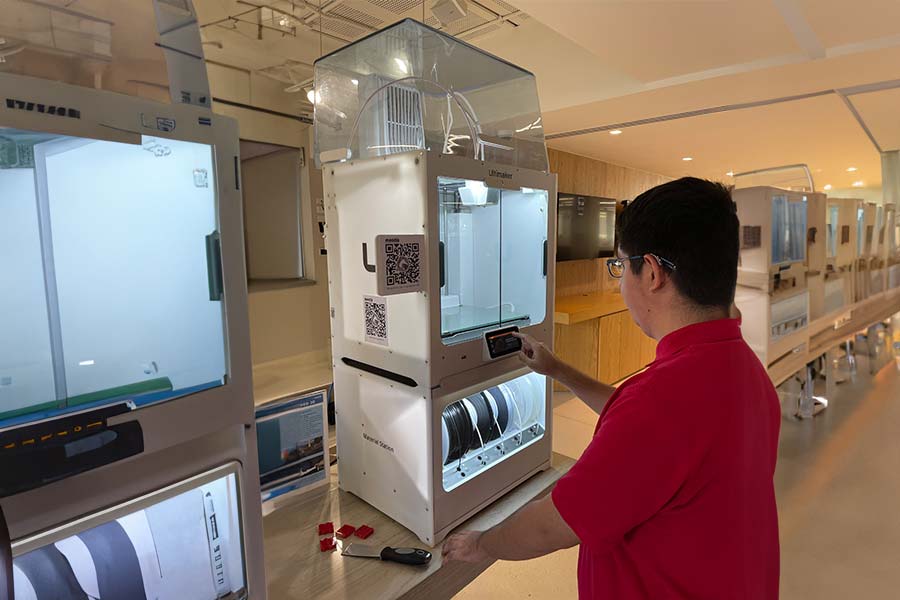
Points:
(575, 277)
(632, 345)
(591, 177)
(578, 345)
(610, 355)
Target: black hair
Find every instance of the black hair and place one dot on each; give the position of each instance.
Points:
(693, 223)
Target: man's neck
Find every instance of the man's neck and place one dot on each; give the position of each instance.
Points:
(675, 320)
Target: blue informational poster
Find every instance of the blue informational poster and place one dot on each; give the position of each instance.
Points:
(291, 439)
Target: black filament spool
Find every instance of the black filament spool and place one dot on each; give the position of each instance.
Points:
(485, 420)
(459, 429)
(502, 408)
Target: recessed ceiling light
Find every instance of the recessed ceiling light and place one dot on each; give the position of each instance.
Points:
(615, 132)
(827, 187)
(858, 184)
(851, 169)
(687, 158)
(730, 173)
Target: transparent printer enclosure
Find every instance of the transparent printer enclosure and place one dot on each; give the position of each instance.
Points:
(105, 250)
(493, 246)
(410, 87)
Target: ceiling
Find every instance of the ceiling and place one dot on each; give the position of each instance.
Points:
(737, 84)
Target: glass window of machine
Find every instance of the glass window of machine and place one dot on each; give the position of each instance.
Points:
(105, 246)
(493, 255)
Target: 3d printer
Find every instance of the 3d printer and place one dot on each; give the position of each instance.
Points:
(772, 288)
(127, 454)
(440, 219)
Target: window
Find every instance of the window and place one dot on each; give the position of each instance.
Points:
(112, 251)
(493, 245)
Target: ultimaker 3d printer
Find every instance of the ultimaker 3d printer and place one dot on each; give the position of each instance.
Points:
(440, 238)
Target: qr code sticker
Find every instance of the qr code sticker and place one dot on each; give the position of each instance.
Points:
(402, 264)
(376, 319)
(399, 264)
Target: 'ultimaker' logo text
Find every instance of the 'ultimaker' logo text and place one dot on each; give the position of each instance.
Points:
(500, 174)
(379, 442)
(44, 109)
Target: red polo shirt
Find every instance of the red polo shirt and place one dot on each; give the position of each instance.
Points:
(674, 498)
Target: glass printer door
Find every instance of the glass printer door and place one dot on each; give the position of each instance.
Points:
(492, 246)
(788, 230)
(110, 253)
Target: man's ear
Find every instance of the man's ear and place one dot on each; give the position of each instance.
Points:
(656, 273)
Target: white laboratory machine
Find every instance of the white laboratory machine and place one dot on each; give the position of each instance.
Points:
(772, 289)
(840, 257)
(440, 219)
(128, 464)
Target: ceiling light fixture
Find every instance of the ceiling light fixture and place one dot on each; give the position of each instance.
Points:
(858, 184)
(851, 169)
(615, 132)
(313, 96)
(354, 81)
(687, 159)
(730, 173)
(827, 187)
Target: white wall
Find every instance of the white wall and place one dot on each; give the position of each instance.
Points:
(129, 234)
(26, 372)
(286, 319)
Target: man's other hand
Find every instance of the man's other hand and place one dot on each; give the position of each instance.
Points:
(536, 355)
(464, 547)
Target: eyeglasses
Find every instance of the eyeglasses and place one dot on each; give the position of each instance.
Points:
(616, 266)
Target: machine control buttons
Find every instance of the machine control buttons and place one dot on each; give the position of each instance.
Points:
(502, 342)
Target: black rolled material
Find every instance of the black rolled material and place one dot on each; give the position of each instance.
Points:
(459, 430)
(502, 408)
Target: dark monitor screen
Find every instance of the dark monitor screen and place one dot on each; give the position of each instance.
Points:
(585, 227)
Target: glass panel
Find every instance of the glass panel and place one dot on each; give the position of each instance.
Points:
(780, 230)
(788, 230)
(102, 44)
(470, 238)
(833, 212)
(893, 228)
(860, 230)
(108, 259)
(186, 546)
(523, 235)
(483, 429)
(410, 86)
(796, 246)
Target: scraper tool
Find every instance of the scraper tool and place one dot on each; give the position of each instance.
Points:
(406, 556)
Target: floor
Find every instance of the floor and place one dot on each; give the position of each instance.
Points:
(838, 487)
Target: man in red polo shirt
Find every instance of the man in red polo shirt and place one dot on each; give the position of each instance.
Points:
(673, 497)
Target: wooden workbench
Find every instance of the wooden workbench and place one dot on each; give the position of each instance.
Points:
(296, 568)
(595, 334)
(570, 310)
